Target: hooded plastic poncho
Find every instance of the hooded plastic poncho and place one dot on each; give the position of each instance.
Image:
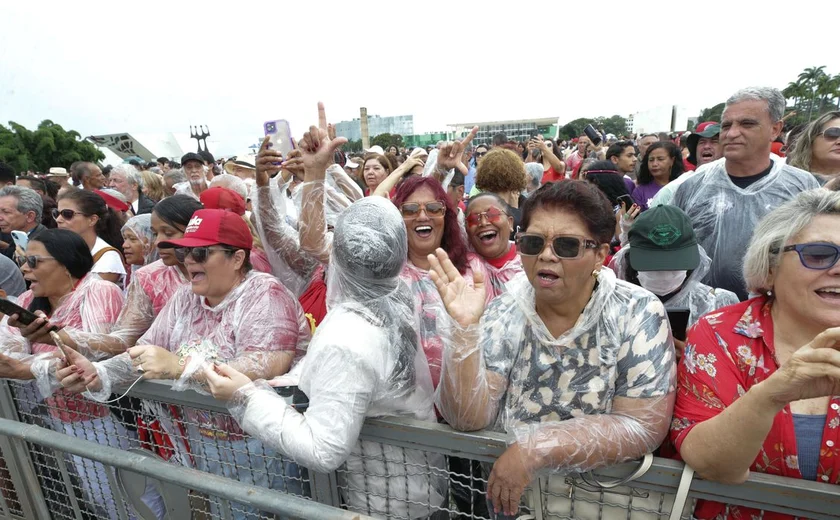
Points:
(150, 288)
(695, 296)
(92, 307)
(141, 226)
(364, 361)
(599, 394)
(724, 215)
(258, 320)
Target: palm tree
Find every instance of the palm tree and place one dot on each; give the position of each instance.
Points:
(809, 78)
(796, 91)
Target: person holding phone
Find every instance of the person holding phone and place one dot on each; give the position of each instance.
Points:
(65, 294)
(663, 256)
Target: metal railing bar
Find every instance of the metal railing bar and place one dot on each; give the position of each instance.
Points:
(259, 498)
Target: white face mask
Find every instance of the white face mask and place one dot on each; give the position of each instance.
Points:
(662, 283)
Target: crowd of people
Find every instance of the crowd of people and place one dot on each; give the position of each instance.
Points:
(596, 300)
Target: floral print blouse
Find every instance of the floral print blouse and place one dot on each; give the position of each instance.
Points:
(726, 353)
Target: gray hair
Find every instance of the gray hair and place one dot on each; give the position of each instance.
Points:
(773, 96)
(779, 227)
(535, 174)
(131, 174)
(176, 176)
(801, 153)
(231, 182)
(28, 200)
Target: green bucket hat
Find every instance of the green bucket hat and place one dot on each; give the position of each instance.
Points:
(662, 239)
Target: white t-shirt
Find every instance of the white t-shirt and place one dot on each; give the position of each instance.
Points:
(111, 262)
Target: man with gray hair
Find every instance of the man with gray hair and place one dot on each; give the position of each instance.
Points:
(126, 179)
(170, 179)
(20, 210)
(727, 198)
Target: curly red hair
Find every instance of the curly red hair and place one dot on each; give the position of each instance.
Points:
(452, 242)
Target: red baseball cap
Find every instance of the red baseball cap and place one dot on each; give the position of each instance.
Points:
(112, 202)
(777, 148)
(209, 227)
(223, 198)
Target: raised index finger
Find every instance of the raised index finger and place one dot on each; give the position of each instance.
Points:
(264, 145)
(467, 140)
(322, 117)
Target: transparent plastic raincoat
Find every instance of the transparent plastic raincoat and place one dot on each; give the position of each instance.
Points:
(695, 296)
(364, 361)
(497, 277)
(724, 215)
(600, 394)
(150, 288)
(258, 320)
(92, 307)
(141, 226)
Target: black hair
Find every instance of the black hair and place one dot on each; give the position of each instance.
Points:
(106, 171)
(69, 250)
(490, 194)
(611, 184)
(51, 188)
(581, 198)
(618, 148)
(207, 156)
(47, 219)
(109, 226)
(177, 210)
(677, 168)
(500, 139)
(35, 183)
(7, 173)
(457, 179)
(162, 160)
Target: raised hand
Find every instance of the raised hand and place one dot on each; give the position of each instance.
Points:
(317, 148)
(268, 162)
(450, 153)
(464, 304)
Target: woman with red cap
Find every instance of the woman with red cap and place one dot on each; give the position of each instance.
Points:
(228, 313)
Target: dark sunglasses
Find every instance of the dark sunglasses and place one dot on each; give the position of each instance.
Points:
(199, 254)
(814, 256)
(831, 134)
(66, 214)
(480, 154)
(435, 208)
(32, 261)
(492, 215)
(564, 246)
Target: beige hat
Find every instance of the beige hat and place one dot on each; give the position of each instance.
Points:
(244, 160)
(58, 172)
(419, 152)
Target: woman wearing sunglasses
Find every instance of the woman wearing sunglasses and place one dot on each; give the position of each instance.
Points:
(86, 214)
(576, 366)
(228, 313)
(771, 362)
(62, 290)
(817, 148)
(488, 227)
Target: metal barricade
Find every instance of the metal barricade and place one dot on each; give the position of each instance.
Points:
(166, 454)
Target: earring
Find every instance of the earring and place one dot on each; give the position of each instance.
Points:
(595, 273)
(769, 293)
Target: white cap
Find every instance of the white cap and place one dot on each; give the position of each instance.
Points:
(375, 149)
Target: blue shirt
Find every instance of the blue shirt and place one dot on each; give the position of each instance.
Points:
(809, 432)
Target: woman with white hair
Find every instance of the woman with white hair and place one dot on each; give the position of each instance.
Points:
(770, 362)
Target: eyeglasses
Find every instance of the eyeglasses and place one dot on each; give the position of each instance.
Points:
(66, 214)
(480, 154)
(199, 254)
(435, 208)
(564, 246)
(814, 256)
(32, 261)
(831, 134)
(492, 215)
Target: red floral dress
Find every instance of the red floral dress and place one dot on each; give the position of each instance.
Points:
(726, 353)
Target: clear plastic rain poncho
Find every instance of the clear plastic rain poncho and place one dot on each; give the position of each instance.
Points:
(694, 295)
(497, 277)
(150, 288)
(141, 226)
(724, 215)
(364, 361)
(92, 307)
(599, 394)
(255, 324)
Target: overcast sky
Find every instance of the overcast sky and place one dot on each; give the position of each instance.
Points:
(160, 66)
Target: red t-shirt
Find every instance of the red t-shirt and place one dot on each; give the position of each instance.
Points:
(688, 166)
(550, 175)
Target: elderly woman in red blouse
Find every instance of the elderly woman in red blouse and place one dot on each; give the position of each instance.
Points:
(759, 383)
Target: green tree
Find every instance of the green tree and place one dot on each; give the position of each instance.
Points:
(615, 125)
(47, 146)
(386, 140)
(353, 146)
(810, 78)
(712, 114)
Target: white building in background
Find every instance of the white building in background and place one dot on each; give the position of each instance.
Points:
(352, 130)
(665, 118)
